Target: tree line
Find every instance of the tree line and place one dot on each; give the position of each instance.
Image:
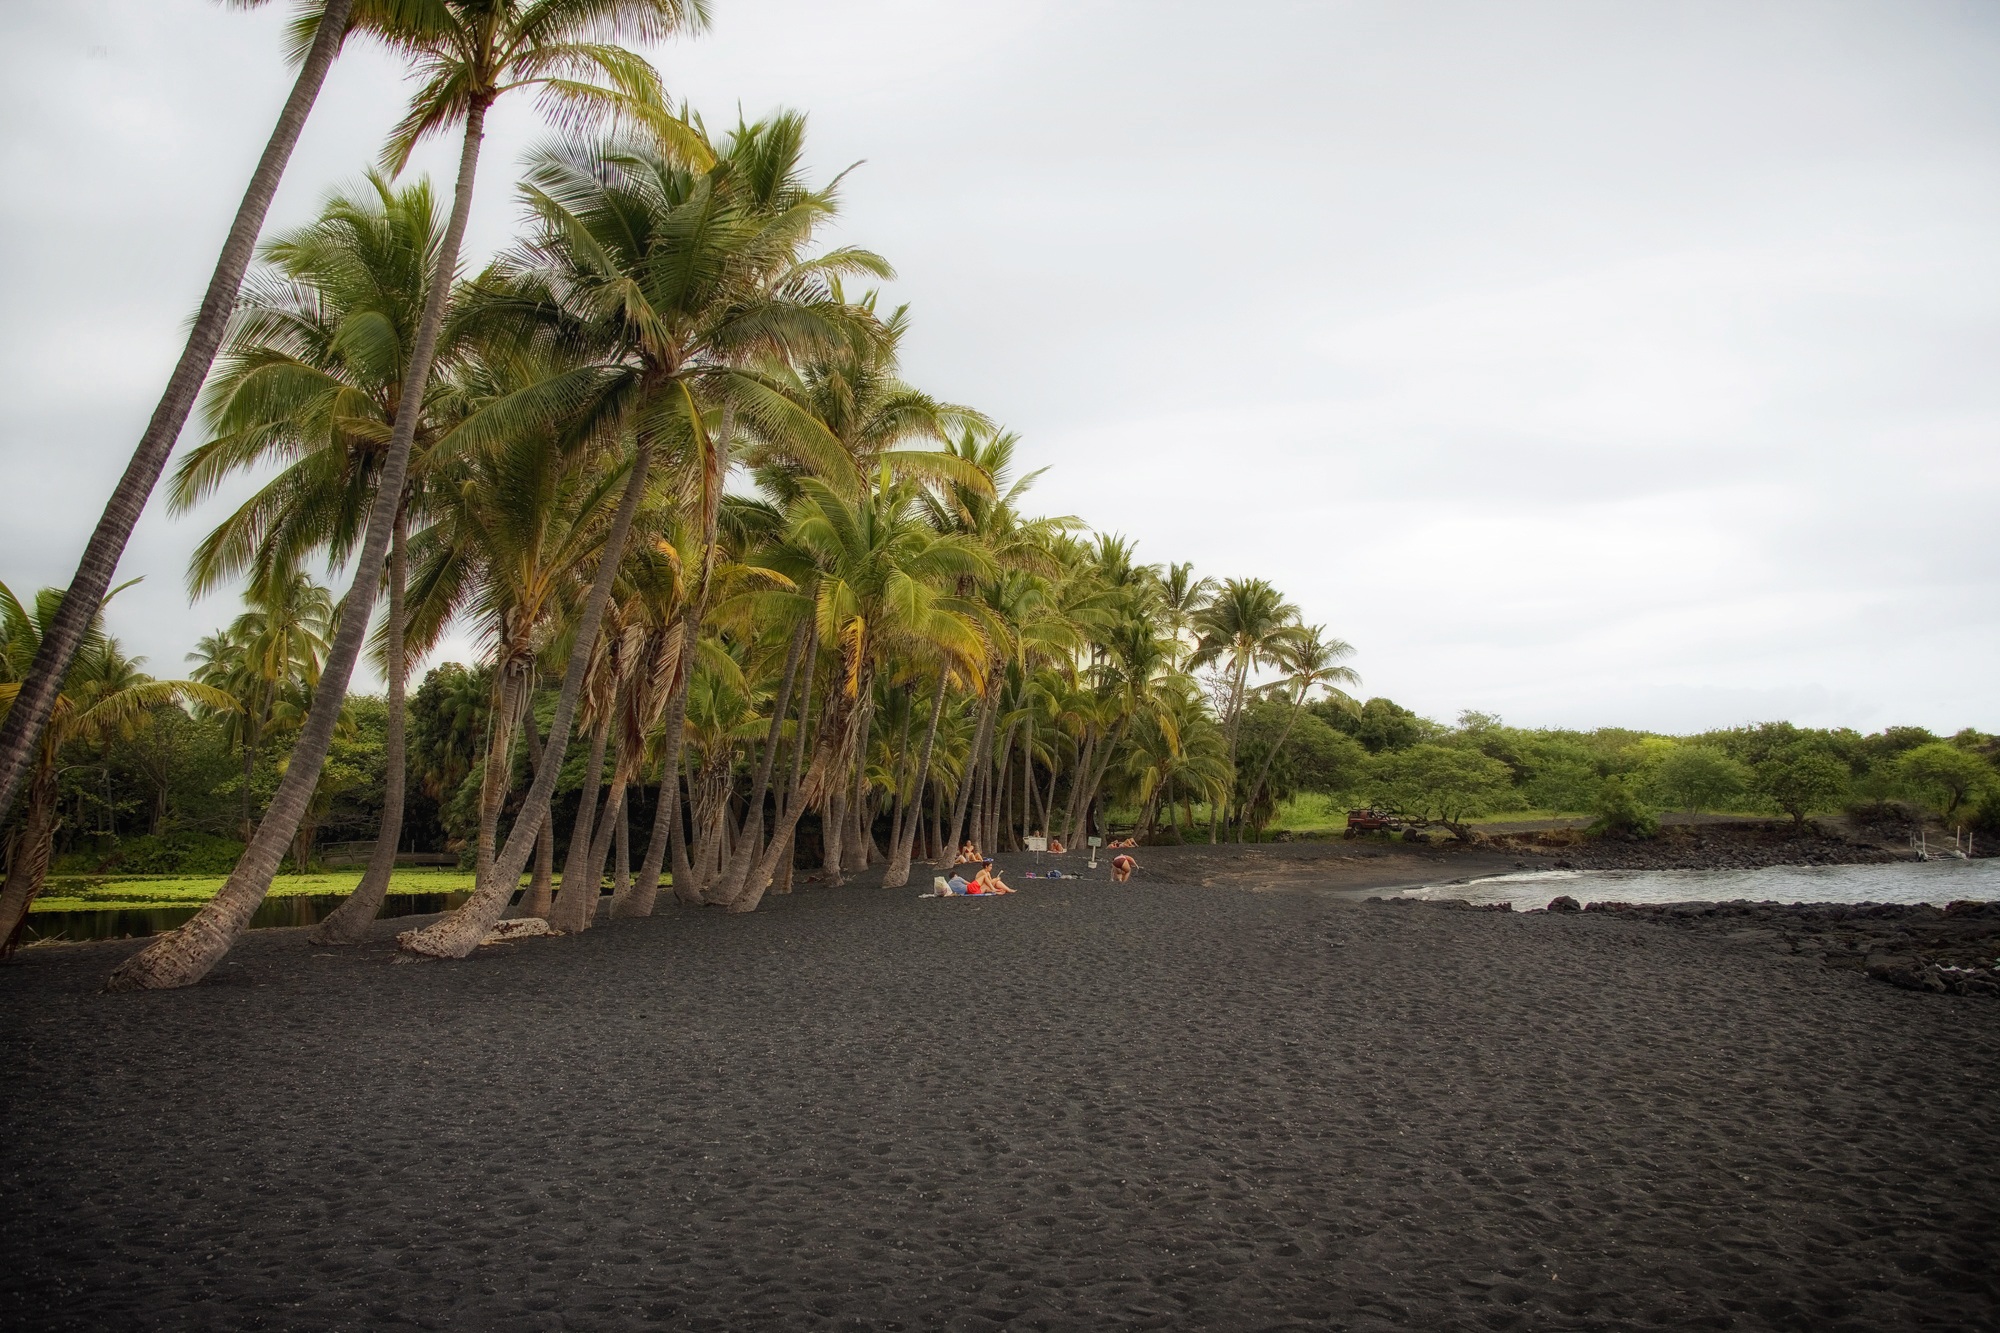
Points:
(743, 595)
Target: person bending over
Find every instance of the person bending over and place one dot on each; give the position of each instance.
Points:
(1122, 867)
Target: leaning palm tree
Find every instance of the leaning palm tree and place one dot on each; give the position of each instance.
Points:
(104, 696)
(317, 38)
(310, 381)
(469, 53)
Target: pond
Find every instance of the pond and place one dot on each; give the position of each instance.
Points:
(1935, 882)
(300, 910)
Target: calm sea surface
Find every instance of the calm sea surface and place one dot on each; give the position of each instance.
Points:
(1937, 882)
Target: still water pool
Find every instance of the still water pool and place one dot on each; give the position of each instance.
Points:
(1936, 882)
(300, 910)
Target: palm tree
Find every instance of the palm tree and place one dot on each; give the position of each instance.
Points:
(518, 524)
(268, 661)
(310, 379)
(1021, 624)
(1244, 627)
(1182, 597)
(104, 696)
(885, 586)
(316, 40)
(470, 53)
(682, 282)
(1311, 662)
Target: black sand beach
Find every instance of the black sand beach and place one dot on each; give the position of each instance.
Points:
(1174, 1104)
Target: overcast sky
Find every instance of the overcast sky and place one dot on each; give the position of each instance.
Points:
(1584, 363)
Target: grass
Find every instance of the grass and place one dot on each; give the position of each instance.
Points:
(98, 893)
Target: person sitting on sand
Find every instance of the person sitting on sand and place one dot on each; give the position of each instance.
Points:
(968, 851)
(1055, 845)
(1122, 867)
(988, 880)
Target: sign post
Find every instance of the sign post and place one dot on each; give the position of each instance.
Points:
(1095, 843)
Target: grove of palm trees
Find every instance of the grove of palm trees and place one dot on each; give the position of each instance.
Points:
(710, 640)
(657, 457)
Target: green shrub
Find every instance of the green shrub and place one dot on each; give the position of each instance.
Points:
(1801, 781)
(180, 853)
(1620, 810)
(1697, 777)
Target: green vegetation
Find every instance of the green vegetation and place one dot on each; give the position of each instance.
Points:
(94, 893)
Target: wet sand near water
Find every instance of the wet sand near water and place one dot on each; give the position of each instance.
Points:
(1173, 1104)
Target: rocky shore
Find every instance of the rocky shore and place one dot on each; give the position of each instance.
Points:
(1748, 845)
(1950, 950)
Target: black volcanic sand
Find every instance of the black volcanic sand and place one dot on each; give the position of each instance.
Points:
(1163, 1105)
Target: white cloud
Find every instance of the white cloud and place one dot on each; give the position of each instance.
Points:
(1589, 364)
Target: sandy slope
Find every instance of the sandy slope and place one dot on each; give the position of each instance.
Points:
(1169, 1105)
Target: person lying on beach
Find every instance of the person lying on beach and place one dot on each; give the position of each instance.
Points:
(1122, 867)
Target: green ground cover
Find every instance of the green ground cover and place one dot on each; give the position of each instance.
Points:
(95, 893)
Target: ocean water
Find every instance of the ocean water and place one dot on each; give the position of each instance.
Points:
(1935, 882)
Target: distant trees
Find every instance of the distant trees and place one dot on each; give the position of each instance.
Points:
(1698, 777)
(1799, 781)
(1944, 778)
(104, 696)
(1446, 783)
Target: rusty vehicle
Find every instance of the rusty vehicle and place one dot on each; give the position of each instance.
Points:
(1372, 820)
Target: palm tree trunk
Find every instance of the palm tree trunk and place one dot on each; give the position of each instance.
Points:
(607, 831)
(750, 850)
(541, 888)
(21, 732)
(898, 873)
(639, 898)
(1086, 759)
(863, 808)
(621, 881)
(541, 892)
(184, 956)
(581, 870)
(684, 829)
(988, 704)
(833, 830)
(786, 826)
(1049, 793)
(497, 773)
(1235, 719)
(835, 722)
(349, 923)
(460, 933)
(1096, 780)
(28, 867)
